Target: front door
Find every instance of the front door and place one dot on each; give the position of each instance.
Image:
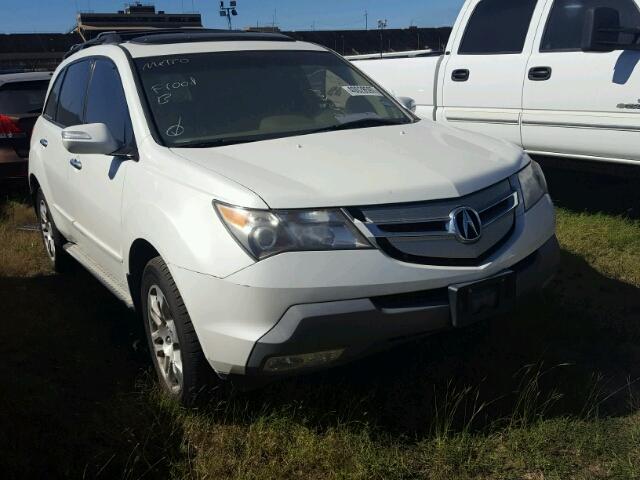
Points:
(98, 180)
(589, 106)
(483, 75)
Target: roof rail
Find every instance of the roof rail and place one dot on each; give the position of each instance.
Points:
(178, 35)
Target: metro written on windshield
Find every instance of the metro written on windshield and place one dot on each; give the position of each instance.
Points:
(214, 99)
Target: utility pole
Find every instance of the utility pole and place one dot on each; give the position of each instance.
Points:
(366, 20)
(229, 11)
(382, 24)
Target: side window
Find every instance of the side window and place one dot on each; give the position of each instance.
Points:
(497, 27)
(566, 22)
(74, 87)
(52, 102)
(106, 102)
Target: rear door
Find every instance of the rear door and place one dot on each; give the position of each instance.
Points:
(482, 85)
(589, 106)
(98, 182)
(64, 108)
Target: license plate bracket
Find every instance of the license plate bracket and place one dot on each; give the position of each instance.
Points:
(477, 301)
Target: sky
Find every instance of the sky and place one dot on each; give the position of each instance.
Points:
(59, 15)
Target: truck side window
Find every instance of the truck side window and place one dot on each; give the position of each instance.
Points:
(497, 27)
(74, 87)
(52, 102)
(106, 102)
(563, 32)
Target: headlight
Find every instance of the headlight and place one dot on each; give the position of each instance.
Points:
(533, 184)
(264, 233)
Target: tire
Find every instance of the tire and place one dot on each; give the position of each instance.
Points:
(177, 356)
(52, 238)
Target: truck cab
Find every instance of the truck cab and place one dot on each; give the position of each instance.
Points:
(557, 77)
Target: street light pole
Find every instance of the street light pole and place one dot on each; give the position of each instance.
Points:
(382, 24)
(229, 11)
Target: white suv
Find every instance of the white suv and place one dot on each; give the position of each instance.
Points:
(270, 210)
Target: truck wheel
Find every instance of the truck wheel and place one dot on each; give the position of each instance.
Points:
(182, 368)
(52, 238)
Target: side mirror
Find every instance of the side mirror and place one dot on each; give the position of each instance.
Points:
(92, 138)
(602, 32)
(408, 103)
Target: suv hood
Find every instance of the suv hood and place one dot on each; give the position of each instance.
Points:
(379, 165)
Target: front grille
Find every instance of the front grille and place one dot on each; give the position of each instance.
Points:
(424, 232)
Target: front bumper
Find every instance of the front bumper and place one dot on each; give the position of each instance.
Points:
(307, 302)
(366, 325)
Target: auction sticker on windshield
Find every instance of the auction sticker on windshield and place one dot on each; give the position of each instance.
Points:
(362, 91)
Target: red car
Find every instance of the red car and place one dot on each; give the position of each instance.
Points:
(21, 101)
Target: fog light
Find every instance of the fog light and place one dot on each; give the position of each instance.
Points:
(307, 360)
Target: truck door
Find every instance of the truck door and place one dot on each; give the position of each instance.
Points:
(482, 83)
(577, 103)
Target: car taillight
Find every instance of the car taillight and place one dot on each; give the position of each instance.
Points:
(9, 128)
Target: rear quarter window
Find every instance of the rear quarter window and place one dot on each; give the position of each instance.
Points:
(74, 88)
(52, 101)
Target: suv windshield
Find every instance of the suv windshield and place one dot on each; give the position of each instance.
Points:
(211, 99)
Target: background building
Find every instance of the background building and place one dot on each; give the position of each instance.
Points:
(135, 16)
(46, 50)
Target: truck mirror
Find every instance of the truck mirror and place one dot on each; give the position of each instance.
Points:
(408, 103)
(603, 33)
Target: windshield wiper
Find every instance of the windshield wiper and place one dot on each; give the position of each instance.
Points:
(362, 123)
(218, 143)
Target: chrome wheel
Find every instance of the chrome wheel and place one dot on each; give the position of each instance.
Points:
(47, 231)
(164, 338)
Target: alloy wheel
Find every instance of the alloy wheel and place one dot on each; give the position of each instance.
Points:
(164, 338)
(47, 231)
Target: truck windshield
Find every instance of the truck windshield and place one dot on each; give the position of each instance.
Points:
(214, 99)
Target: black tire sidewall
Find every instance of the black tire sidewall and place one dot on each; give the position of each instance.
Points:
(61, 261)
(193, 368)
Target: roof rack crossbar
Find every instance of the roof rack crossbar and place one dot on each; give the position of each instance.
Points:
(175, 35)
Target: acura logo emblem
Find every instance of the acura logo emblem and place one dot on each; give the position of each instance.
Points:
(466, 224)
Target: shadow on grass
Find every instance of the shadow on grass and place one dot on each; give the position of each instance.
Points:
(584, 186)
(70, 406)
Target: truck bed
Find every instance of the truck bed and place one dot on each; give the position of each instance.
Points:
(413, 77)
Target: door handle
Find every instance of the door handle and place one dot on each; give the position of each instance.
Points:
(44, 142)
(460, 75)
(75, 163)
(540, 74)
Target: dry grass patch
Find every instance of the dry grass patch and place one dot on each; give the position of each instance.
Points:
(611, 244)
(22, 252)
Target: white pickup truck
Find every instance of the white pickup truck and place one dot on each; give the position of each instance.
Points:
(557, 77)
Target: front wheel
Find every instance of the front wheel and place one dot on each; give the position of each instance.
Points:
(179, 361)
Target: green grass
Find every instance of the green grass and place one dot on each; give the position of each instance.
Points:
(548, 392)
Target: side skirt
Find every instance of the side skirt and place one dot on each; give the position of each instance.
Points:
(103, 277)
